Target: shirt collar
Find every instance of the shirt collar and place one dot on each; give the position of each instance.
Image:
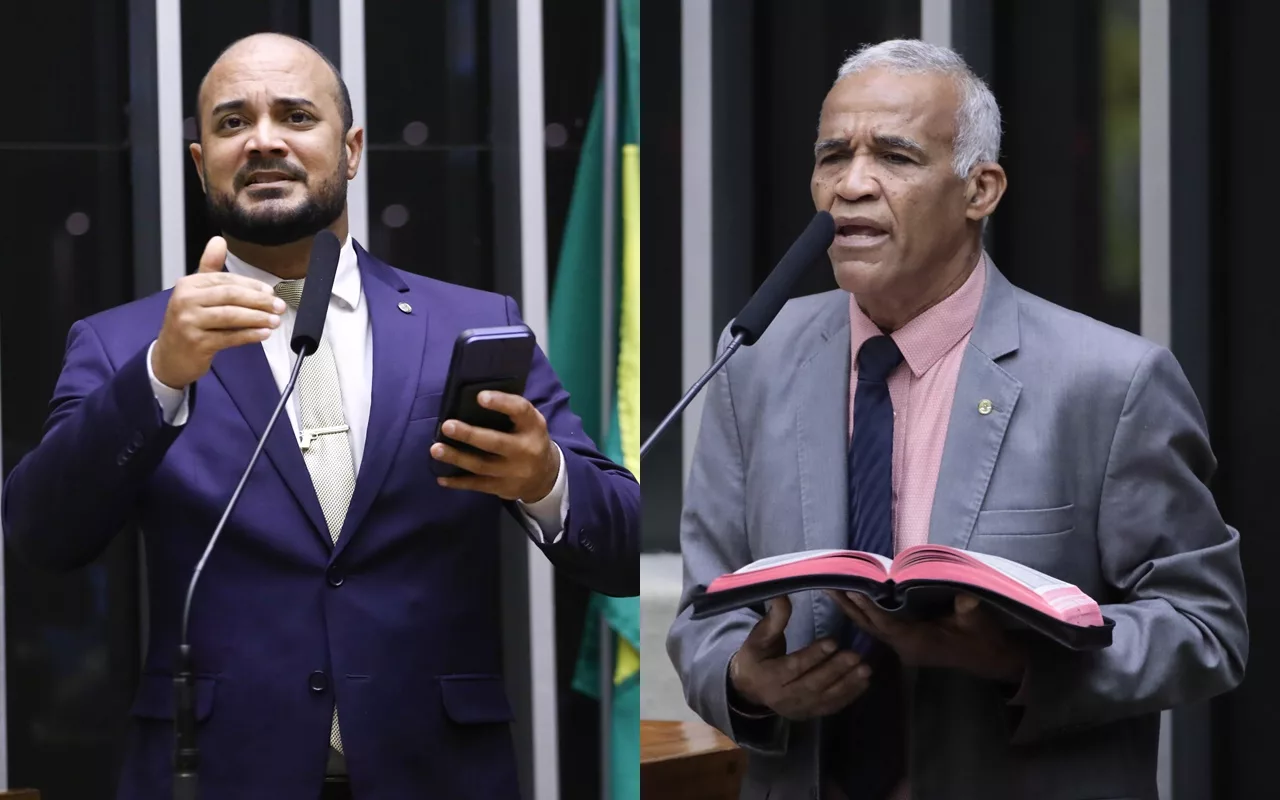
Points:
(346, 281)
(929, 336)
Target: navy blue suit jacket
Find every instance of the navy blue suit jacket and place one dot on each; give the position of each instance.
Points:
(400, 621)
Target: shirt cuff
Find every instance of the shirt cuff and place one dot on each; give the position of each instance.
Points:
(545, 519)
(173, 402)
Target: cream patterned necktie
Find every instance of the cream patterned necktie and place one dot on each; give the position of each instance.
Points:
(324, 437)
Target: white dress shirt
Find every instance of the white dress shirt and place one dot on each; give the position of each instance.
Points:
(349, 333)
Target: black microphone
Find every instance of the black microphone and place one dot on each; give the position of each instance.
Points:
(764, 305)
(307, 328)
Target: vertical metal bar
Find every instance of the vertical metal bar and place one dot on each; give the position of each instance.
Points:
(533, 259)
(1154, 233)
(1154, 169)
(606, 709)
(608, 270)
(696, 264)
(935, 22)
(172, 210)
(609, 214)
(351, 49)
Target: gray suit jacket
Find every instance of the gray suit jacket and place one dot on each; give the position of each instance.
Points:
(1092, 467)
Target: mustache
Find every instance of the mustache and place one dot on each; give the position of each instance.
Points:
(291, 171)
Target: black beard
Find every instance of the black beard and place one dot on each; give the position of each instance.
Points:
(274, 228)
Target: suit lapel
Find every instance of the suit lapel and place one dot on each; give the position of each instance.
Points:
(398, 341)
(973, 437)
(821, 412)
(244, 373)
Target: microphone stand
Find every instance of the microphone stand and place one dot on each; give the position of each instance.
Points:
(186, 756)
(729, 350)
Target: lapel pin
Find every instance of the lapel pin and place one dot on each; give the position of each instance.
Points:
(405, 307)
(984, 407)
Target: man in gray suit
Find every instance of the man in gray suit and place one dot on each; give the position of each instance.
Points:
(977, 416)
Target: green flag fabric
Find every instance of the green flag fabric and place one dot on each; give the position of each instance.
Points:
(574, 349)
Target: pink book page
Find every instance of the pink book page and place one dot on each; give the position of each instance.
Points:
(808, 562)
(1017, 581)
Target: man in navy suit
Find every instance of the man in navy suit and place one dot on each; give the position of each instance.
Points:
(347, 629)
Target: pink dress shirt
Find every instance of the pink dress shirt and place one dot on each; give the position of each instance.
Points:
(922, 390)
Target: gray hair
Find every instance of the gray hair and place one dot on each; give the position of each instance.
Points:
(977, 119)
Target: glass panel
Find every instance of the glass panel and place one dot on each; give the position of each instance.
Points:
(430, 212)
(661, 326)
(72, 640)
(430, 62)
(80, 54)
(428, 151)
(1066, 76)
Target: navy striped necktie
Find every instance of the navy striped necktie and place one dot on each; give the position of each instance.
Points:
(871, 449)
(865, 747)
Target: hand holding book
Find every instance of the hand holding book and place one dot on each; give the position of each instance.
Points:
(814, 681)
(969, 639)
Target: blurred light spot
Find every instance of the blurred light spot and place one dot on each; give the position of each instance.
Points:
(78, 224)
(395, 216)
(556, 135)
(416, 133)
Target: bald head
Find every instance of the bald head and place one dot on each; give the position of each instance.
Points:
(274, 51)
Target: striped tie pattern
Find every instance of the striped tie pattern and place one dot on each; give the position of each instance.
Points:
(866, 749)
(871, 449)
(324, 438)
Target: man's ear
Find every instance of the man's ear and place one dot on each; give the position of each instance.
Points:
(197, 157)
(986, 185)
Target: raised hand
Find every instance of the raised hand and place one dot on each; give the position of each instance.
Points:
(208, 312)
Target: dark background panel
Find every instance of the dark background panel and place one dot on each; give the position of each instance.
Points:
(430, 212)
(1245, 426)
(72, 644)
(1066, 76)
(48, 55)
(660, 282)
(427, 69)
(572, 75)
(428, 151)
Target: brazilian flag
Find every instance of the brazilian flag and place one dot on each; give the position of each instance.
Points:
(574, 349)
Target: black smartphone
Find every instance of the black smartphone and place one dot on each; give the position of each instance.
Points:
(495, 359)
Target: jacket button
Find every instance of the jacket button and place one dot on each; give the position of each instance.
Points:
(137, 441)
(335, 577)
(318, 682)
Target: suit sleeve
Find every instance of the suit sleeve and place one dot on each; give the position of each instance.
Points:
(67, 499)
(600, 544)
(713, 541)
(1180, 634)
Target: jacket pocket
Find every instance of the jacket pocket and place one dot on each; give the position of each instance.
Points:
(155, 698)
(425, 406)
(475, 699)
(1026, 522)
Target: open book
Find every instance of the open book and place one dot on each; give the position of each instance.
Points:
(921, 583)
